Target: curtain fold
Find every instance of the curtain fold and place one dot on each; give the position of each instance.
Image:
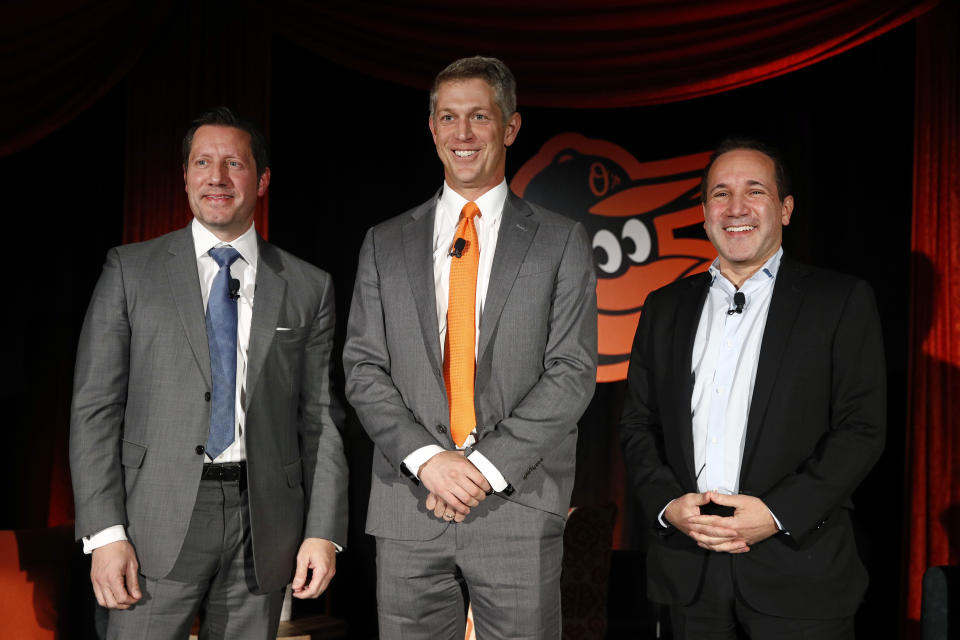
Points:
(593, 53)
(933, 431)
(61, 57)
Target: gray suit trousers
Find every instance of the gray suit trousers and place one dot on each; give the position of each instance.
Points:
(509, 554)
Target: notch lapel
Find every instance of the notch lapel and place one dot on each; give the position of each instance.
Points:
(688, 319)
(268, 296)
(184, 281)
(417, 240)
(788, 292)
(517, 230)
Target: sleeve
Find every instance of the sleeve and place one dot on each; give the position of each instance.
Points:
(855, 438)
(99, 401)
(325, 467)
(366, 358)
(648, 471)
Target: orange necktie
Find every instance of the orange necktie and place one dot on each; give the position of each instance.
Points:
(459, 362)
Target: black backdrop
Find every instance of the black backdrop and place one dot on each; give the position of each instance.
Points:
(350, 150)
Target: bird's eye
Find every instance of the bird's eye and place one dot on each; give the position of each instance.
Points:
(610, 245)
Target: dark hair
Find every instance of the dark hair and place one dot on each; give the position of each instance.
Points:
(492, 70)
(784, 187)
(225, 117)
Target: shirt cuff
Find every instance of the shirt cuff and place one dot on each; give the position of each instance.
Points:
(666, 525)
(415, 460)
(103, 538)
(497, 482)
(777, 521)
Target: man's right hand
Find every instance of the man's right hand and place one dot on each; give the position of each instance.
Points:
(679, 512)
(114, 575)
(454, 479)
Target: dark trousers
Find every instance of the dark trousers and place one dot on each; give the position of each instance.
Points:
(719, 614)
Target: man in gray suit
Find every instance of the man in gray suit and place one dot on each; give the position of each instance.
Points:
(207, 466)
(484, 510)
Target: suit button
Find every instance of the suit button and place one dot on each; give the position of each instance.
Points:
(199, 449)
(441, 428)
(206, 396)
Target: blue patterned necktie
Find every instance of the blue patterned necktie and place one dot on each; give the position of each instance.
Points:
(222, 338)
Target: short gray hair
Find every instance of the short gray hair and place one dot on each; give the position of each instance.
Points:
(492, 70)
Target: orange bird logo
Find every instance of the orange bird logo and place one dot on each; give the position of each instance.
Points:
(644, 219)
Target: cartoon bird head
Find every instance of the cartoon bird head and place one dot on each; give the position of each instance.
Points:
(644, 219)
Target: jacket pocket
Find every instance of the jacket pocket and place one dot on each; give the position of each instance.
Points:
(131, 454)
(294, 472)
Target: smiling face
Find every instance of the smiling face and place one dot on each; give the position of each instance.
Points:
(221, 180)
(743, 213)
(471, 136)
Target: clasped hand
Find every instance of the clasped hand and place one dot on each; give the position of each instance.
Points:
(455, 485)
(750, 523)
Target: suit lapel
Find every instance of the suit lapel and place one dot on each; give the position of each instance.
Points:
(268, 299)
(184, 279)
(788, 292)
(688, 319)
(418, 259)
(517, 230)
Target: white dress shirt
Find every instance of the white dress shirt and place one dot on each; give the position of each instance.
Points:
(726, 352)
(487, 224)
(725, 356)
(244, 269)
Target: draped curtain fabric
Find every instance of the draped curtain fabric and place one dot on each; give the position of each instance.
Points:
(933, 459)
(583, 53)
(60, 57)
(593, 53)
(214, 52)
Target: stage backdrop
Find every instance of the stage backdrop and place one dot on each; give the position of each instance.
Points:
(351, 150)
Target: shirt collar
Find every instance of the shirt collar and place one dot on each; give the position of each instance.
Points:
(490, 203)
(246, 244)
(766, 273)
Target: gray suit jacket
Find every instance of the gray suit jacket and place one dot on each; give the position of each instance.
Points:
(141, 407)
(536, 363)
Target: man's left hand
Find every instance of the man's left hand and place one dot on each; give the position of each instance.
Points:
(320, 557)
(439, 508)
(751, 519)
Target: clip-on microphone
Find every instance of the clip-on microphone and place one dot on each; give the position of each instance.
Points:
(738, 300)
(458, 245)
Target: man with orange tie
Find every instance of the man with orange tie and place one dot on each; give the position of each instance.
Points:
(470, 355)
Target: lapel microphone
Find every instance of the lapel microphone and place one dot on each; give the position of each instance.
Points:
(738, 300)
(458, 245)
(234, 289)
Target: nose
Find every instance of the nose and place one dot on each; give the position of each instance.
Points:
(738, 205)
(218, 174)
(464, 130)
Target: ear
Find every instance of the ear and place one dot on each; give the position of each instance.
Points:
(263, 182)
(433, 128)
(511, 129)
(786, 210)
(184, 177)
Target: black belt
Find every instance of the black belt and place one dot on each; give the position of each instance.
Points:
(226, 471)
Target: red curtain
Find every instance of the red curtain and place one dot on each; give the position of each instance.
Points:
(593, 53)
(581, 53)
(933, 459)
(192, 69)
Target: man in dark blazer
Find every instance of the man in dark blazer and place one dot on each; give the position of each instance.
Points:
(755, 406)
(486, 513)
(202, 486)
